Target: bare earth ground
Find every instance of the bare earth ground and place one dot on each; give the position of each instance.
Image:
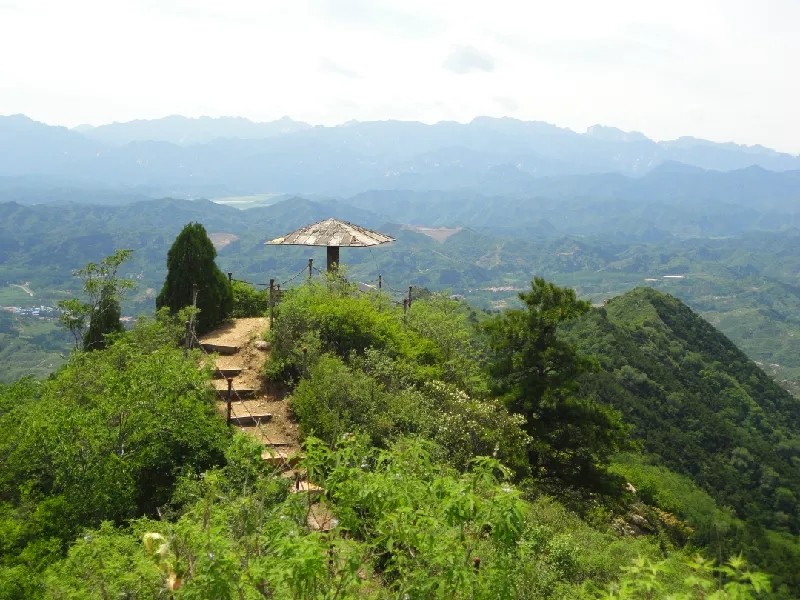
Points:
(279, 435)
(440, 234)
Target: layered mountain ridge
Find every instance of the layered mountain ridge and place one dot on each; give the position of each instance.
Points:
(234, 155)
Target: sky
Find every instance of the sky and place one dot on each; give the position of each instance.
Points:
(725, 70)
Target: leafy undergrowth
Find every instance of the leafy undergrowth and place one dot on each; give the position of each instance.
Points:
(120, 480)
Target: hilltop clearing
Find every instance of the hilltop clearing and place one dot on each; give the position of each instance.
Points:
(435, 477)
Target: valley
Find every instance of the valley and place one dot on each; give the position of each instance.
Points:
(658, 308)
(734, 281)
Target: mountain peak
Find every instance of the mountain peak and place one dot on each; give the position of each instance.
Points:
(612, 134)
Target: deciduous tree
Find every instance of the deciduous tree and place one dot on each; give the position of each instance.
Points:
(91, 320)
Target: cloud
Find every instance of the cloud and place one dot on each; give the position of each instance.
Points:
(383, 16)
(328, 66)
(467, 59)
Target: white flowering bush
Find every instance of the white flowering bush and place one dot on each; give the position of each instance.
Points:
(467, 427)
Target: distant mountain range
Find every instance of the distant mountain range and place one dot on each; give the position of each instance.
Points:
(211, 157)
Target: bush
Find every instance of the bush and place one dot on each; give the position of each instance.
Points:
(335, 399)
(336, 320)
(107, 437)
(248, 301)
(190, 261)
(467, 427)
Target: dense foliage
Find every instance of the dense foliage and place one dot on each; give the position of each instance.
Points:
(104, 440)
(698, 403)
(701, 408)
(91, 320)
(535, 373)
(194, 278)
(120, 480)
(248, 301)
(361, 364)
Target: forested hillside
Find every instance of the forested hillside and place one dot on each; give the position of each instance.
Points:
(462, 454)
(698, 403)
(701, 408)
(742, 282)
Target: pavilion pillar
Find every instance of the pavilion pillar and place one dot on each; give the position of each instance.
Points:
(333, 258)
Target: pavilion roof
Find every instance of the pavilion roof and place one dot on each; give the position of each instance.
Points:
(333, 232)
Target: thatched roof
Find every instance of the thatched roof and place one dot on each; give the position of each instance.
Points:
(332, 232)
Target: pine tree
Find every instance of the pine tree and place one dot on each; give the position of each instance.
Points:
(190, 261)
(535, 372)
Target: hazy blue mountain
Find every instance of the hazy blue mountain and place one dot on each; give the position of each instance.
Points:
(673, 198)
(182, 157)
(43, 190)
(28, 147)
(612, 134)
(185, 131)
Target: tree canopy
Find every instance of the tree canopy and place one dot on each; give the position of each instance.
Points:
(91, 320)
(190, 263)
(535, 372)
(445, 480)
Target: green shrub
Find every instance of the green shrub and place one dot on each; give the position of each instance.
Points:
(346, 324)
(190, 261)
(467, 427)
(248, 301)
(336, 399)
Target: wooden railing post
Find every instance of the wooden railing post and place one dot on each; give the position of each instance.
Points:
(271, 301)
(188, 338)
(228, 399)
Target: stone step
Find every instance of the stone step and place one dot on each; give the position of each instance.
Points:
(247, 420)
(225, 372)
(320, 518)
(236, 393)
(220, 348)
(281, 457)
(306, 487)
(279, 445)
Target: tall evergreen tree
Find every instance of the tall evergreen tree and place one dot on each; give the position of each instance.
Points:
(190, 261)
(534, 371)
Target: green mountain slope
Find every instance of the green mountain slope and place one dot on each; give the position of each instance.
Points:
(698, 403)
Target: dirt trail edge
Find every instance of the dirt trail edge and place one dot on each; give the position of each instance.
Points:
(259, 407)
(254, 396)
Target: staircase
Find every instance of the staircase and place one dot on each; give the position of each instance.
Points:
(258, 407)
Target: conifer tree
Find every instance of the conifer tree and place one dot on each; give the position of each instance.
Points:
(535, 372)
(190, 261)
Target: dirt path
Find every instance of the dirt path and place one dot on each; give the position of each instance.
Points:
(253, 394)
(256, 398)
(24, 287)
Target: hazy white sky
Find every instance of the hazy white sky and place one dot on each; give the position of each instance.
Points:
(727, 70)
